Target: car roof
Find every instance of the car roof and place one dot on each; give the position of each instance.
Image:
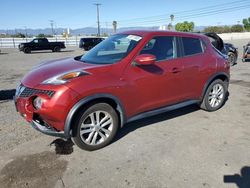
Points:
(144, 33)
(92, 38)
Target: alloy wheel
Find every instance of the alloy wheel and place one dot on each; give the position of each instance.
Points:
(216, 95)
(96, 127)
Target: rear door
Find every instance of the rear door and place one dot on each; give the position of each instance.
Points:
(193, 60)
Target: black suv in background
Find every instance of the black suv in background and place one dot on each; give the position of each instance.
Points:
(232, 52)
(88, 43)
(227, 49)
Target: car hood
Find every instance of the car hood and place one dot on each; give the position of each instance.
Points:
(53, 68)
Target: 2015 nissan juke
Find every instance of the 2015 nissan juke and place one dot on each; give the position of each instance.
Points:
(130, 75)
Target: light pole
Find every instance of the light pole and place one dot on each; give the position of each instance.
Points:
(98, 20)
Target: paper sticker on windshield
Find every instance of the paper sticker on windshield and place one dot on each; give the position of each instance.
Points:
(134, 37)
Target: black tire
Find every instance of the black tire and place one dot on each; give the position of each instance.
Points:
(232, 58)
(56, 49)
(206, 103)
(26, 50)
(84, 116)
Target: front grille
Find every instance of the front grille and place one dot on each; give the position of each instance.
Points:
(27, 92)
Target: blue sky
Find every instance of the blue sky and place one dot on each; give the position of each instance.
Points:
(82, 13)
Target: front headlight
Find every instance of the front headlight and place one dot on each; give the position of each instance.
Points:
(37, 103)
(64, 78)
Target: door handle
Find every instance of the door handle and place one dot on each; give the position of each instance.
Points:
(175, 70)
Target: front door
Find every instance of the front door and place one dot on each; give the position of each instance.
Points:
(160, 84)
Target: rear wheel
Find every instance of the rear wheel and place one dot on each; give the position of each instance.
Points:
(56, 49)
(215, 96)
(95, 127)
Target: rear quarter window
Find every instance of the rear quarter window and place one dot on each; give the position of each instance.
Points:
(191, 46)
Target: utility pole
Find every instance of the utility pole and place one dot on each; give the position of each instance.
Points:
(98, 20)
(26, 35)
(114, 26)
(52, 25)
(106, 28)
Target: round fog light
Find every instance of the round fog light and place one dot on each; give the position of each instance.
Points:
(38, 103)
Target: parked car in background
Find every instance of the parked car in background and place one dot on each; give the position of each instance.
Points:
(89, 42)
(227, 49)
(232, 52)
(129, 76)
(246, 53)
(41, 44)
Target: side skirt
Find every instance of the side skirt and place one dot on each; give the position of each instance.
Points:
(162, 110)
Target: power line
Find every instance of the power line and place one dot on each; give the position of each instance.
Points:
(204, 11)
(189, 16)
(181, 15)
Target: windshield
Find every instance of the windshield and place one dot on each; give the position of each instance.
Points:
(111, 50)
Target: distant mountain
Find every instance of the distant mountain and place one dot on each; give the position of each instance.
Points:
(81, 31)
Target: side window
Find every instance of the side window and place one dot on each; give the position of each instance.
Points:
(35, 41)
(88, 40)
(191, 46)
(162, 47)
(41, 41)
(98, 40)
(149, 45)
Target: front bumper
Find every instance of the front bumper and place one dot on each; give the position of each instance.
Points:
(48, 130)
(43, 127)
(50, 119)
(20, 48)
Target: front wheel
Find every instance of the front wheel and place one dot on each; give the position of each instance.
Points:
(26, 50)
(95, 127)
(215, 96)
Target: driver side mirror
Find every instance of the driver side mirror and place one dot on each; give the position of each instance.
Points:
(145, 59)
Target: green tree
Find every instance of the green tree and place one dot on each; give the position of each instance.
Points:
(105, 35)
(218, 29)
(185, 26)
(246, 23)
(18, 35)
(237, 28)
(226, 29)
(41, 35)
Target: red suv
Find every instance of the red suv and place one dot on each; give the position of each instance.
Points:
(130, 75)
